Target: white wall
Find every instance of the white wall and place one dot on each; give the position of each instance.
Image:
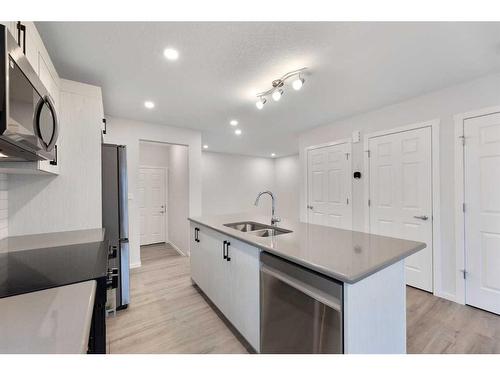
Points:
(286, 185)
(4, 207)
(178, 197)
(153, 154)
(130, 133)
(442, 105)
(71, 200)
(231, 183)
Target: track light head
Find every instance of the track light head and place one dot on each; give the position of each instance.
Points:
(260, 103)
(277, 95)
(298, 83)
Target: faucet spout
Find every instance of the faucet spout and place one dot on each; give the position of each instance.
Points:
(274, 219)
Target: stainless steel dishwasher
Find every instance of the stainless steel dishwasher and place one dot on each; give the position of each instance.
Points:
(301, 310)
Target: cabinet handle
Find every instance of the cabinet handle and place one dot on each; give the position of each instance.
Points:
(228, 258)
(54, 162)
(21, 27)
(196, 233)
(105, 126)
(224, 256)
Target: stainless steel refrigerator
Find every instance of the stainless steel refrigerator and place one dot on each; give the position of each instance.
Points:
(115, 216)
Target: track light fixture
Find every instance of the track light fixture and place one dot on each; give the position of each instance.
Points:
(276, 92)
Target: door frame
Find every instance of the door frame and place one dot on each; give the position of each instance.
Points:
(348, 141)
(460, 119)
(435, 186)
(165, 217)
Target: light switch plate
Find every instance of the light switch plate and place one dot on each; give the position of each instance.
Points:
(356, 136)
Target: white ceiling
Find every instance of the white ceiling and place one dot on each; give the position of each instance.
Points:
(354, 67)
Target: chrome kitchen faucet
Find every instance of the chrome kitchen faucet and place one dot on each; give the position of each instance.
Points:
(274, 219)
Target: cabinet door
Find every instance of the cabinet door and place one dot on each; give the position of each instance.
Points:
(244, 271)
(32, 45)
(48, 80)
(218, 288)
(196, 259)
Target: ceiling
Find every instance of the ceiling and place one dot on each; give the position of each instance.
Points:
(353, 68)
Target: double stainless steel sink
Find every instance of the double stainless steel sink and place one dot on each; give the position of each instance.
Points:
(257, 229)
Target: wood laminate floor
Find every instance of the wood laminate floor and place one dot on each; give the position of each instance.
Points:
(168, 315)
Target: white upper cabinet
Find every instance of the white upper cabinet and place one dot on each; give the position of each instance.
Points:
(32, 45)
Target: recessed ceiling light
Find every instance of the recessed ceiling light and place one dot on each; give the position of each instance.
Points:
(171, 54)
(149, 104)
(273, 155)
(233, 122)
(237, 132)
(205, 146)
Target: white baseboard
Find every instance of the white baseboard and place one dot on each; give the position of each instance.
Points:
(177, 249)
(448, 296)
(135, 265)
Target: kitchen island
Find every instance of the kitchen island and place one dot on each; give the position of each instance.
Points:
(227, 253)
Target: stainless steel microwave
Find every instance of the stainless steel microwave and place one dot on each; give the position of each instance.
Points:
(28, 119)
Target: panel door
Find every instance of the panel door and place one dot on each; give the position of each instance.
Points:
(152, 205)
(329, 186)
(482, 214)
(401, 196)
(244, 281)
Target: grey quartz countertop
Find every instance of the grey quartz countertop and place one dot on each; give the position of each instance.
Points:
(345, 255)
(53, 320)
(46, 240)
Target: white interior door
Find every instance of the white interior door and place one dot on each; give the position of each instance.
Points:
(152, 205)
(329, 186)
(482, 214)
(401, 196)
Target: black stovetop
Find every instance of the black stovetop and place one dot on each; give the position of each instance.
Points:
(36, 269)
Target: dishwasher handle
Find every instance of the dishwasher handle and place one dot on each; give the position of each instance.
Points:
(308, 290)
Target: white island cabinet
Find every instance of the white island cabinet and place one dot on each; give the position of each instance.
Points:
(225, 264)
(227, 271)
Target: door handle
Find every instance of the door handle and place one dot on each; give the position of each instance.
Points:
(310, 207)
(228, 258)
(421, 217)
(224, 256)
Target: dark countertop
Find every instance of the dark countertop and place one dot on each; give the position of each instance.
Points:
(345, 255)
(37, 262)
